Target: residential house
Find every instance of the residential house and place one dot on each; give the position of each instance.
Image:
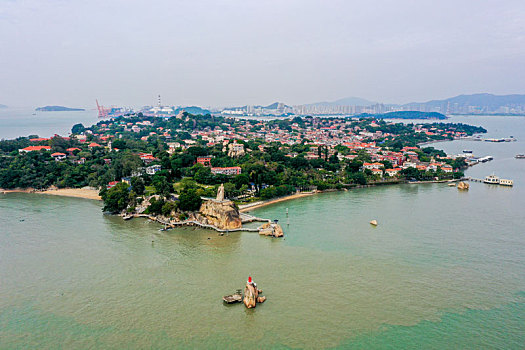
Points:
(58, 156)
(153, 169)
(234, 170)
(393, 172)
(112, 184)
(34, 148)
(205, 161)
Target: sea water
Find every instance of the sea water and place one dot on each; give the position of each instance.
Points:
(443, 269)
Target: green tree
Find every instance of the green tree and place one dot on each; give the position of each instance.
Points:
(189, 200)
(240, 180)
(78, 128)
(359, 178)
(162, 185)
(155, 206)
(203, 174)
(116, 198)
(137, 183)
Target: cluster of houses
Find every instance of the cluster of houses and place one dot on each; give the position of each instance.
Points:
(206, 161)
(325, 136)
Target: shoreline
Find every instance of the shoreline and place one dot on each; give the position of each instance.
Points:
(247, 207)
(260, 204)
(85, 193)
(92, 194)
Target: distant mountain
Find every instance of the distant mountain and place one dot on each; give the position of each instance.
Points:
(58, 109)
(488, 103)
(404, 115)
(275, 105)
(3, 106)
(347, 101)
(193, 110)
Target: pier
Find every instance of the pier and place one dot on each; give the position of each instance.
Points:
(172, 224)
(246, 218)
(501, 182)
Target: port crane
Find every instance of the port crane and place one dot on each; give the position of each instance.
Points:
(102, 112)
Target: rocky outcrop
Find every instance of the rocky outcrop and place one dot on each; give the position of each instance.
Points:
(463, 186)
(146, 202)
(270, 229)
(251, 296)
(221, 214)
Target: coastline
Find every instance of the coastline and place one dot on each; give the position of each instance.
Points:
(86, 193)
(247, 207)
(92, 194)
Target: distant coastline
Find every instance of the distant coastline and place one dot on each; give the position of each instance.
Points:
(404, 115)
(58, 109)
(86, 193)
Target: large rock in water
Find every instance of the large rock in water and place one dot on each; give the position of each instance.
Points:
(221, 214)
(463, 186)
(270, 229)
(250, 296)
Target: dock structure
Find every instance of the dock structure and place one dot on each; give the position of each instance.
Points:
(246, 218)
(173, 224)
(501, 182)
(211, 227)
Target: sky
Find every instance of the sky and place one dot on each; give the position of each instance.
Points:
(228, 53)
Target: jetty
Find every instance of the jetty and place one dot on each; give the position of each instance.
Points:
(479, 138)
(170, 224)
(246, 218)
(492, 180)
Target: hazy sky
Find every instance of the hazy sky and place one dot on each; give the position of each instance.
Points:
(217, 53)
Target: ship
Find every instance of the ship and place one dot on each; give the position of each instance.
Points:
(494, 180)
(485, 159)
(506, 182)
(520, 156)
(467, 151)
(491, 179)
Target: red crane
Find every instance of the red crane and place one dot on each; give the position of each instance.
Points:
(102, 112)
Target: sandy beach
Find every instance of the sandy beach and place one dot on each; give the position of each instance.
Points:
(248, 207)
(86, 193)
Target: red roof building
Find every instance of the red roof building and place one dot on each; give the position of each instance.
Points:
(112, 184)
(58, 156)
(206, 161)
(34, 148)
(38, 139)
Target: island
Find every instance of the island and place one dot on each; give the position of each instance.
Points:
(58, 109)
(405, 115)
(208, 171)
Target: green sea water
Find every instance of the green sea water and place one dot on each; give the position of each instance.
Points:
(443, 270)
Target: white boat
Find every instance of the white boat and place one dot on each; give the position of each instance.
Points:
(485, 159)
(491, 179)
(506, 182)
